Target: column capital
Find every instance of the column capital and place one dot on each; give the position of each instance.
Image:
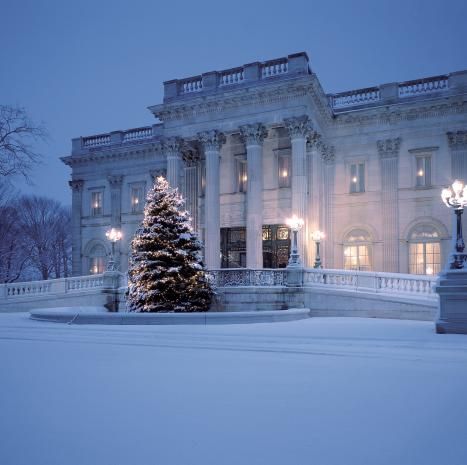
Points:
(172, 146)
(211, 140)
(298, 126)
(389, 148)
(156, 173)
(457, 140)
(253, 134)
(115, 180)
(314, 141)
(328, 154)
(76, 185)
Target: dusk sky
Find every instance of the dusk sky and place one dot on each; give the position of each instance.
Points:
(87, 67)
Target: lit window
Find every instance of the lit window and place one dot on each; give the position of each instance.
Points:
(96, 203)
(423, 177)
(424, 251)
(242, 175)
(357, 251)
(137, 199)
(357, 178)
(284, 164)
(97, 260)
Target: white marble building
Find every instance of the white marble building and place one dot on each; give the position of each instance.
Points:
(250, 146)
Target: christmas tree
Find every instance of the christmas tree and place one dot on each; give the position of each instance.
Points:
(165, 269)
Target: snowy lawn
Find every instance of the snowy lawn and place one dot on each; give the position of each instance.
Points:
(320, 391)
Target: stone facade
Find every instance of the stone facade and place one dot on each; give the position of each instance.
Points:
(251, 146)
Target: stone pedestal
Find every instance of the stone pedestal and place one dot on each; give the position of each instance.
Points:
(452, 290)
(294, 276)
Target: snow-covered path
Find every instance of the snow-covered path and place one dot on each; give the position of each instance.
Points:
(321, 391)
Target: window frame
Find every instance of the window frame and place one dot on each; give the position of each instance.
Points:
(424, 241)
(359, 173)
(96, 211)
(368, 243)
(284, 181)
(137, 207)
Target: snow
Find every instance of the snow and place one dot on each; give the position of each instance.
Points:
(335, 391)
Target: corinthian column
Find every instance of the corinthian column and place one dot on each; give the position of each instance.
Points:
(172, 149)
(212, 142)
(328, 159)
(298, 129)
(76, 211)
(253, 136)
(389, 154)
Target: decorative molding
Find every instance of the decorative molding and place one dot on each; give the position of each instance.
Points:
(299, 126)
(172, 146)
(389, 148)
(253, 134)
(424, 149)
(115, 181)
(457, 140)
(328, 154)
(211, 140)
(76, 185)
(314, 141)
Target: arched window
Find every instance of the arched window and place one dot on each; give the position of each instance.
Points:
(424, 250)
(357, 250)
(97, 259)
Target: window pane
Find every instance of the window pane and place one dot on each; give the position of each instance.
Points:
(284, 171)
(424, 258)
(361, 177)
(242, 175)
(137, 201)
(96, 203)
(353, 178)
(428, 171)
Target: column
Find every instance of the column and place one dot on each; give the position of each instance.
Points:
(115, 183)
(389, 154)
(298, 129)
(328, 170)
(253, 136)
(212, 142)
(76, 212)
(172, 149)
(458, 144)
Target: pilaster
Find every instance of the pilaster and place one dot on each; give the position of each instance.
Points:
(253, 136)
(76, 213)
(328, 170)
(299, 128)
(212, 142)
(388, 150)
(458, 145)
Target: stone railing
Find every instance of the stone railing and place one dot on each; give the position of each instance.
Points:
(96, 141)
(394, 283)
(231, 76)
(56, 287)
(423, 86)
(137, 134)
(193, 84)
(227, 277)
(355, 97)
(251, 73)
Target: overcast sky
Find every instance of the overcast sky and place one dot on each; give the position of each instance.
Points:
(86, 67)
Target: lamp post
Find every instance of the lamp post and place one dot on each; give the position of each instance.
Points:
(317, 236)
(113, 235)
(295, 224)
(456, 197)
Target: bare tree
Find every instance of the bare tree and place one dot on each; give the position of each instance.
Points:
(18, 133)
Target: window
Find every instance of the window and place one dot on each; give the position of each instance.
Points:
(424, 251)
(242, 175)
(284, 164)
(423, 166)
(357, 251)
(357, 178)
(97, 259)
(96, 203)
(137, 199)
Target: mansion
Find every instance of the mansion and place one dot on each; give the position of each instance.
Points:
(249, 147)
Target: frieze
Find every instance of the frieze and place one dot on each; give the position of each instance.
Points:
(457, 140)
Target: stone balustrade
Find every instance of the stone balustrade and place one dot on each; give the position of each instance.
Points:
(96, 141)
(227, 277)
(274, 68)
(193, 84)
(423, 86)
(394, 283)
(137, 134)
(355, 97)
(231, 76)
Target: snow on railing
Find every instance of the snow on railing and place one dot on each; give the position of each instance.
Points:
(227, 277)
(423, 86)
(51, 286)
(137, 134)
(96, 141)
(394, 283)
(355, 97)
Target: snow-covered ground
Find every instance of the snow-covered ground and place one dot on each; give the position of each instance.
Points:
(321, 391)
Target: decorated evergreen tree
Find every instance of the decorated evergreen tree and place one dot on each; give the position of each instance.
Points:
(165, 269)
